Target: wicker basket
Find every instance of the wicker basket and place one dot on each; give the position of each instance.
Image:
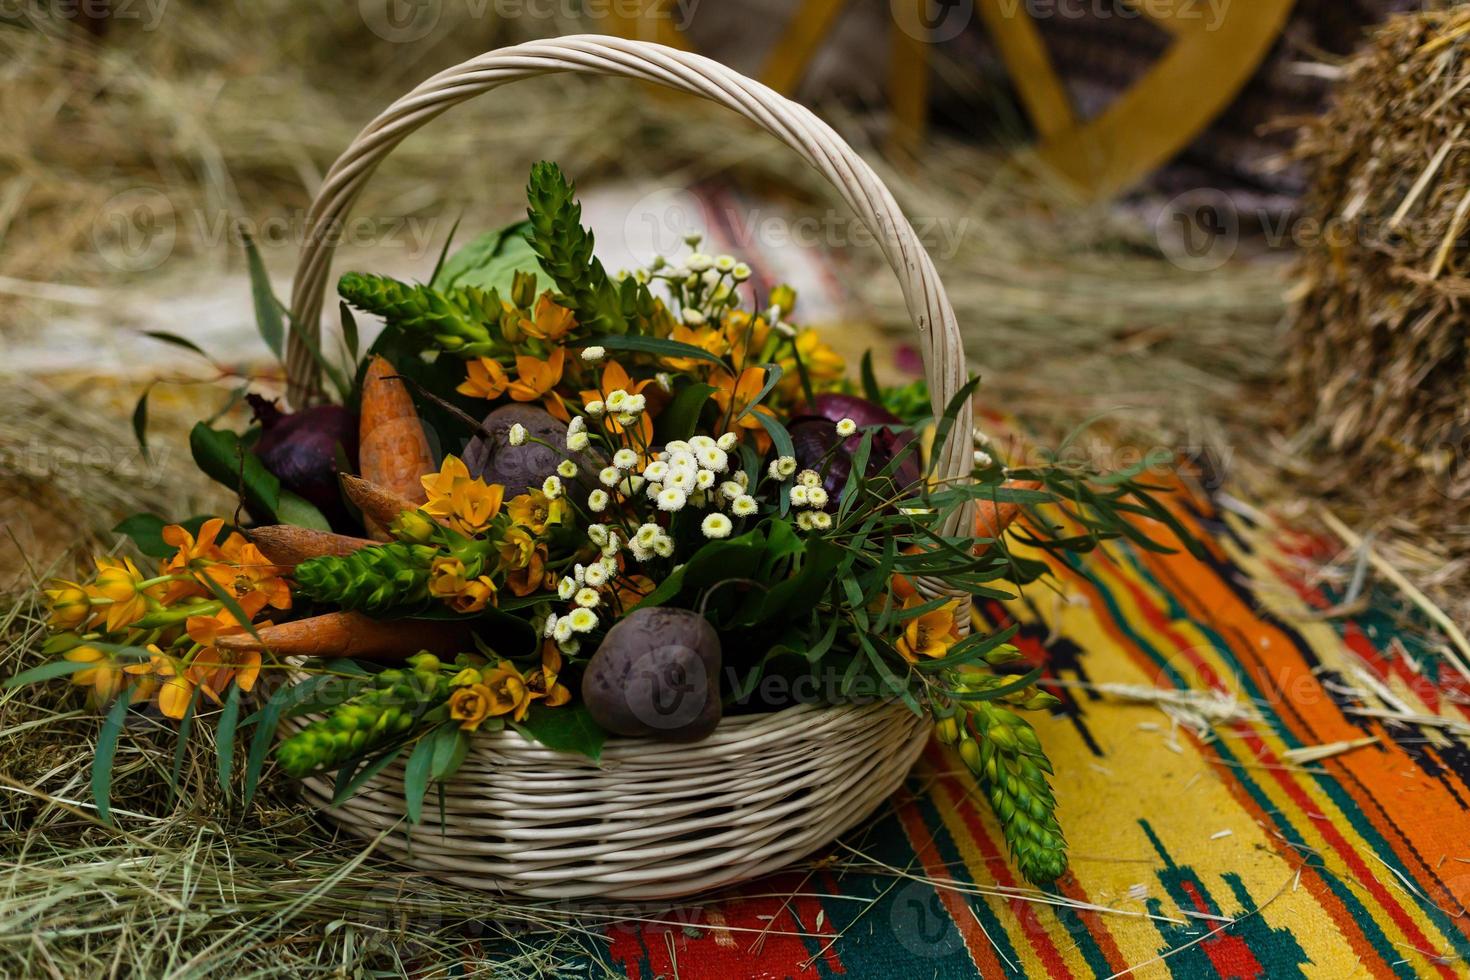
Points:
(649, 820)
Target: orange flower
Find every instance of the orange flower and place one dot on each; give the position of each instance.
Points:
(614, 377)
(535, 512)
(734, 396)
(104, 678)
(707, 338)
(929, 635)
(468, 504)
(542, 681)
(70, 607)
(534, 378)
(249, 578)
(487, 379)
(508, 691)
(470, 706)
(446, 577)
(552, 321)
(475, 595)
(120, 583)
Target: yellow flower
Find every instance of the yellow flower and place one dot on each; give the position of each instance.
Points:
(542, 681)
(552, 322)
(487, 379)
(533, 511)
(470, 706)
(928, 635)
(475, 595)
(534, 378)
(525, 560)
(469, 505)
(822, 363)
(105, 678)
(508, 692)
(120, 582)
(70, 607)
(446, 577)
(707, 338)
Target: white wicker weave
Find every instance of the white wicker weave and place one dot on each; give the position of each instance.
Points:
(650, 820)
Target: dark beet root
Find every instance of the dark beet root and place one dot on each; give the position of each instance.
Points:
(813, 434)
(523, 467)
(657, 673)
(301, 449)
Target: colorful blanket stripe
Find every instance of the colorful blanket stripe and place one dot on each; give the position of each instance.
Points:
(1192, 856)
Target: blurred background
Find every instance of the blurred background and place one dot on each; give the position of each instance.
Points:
(1114, 193)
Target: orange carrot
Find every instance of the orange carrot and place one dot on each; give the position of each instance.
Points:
(380, 506)
(289, 545)
(350, 634)
(393, 450)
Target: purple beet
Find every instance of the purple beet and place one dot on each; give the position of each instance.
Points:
(301, 449)
(816, 432)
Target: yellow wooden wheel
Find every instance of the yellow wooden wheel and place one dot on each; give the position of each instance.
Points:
(1214, 49)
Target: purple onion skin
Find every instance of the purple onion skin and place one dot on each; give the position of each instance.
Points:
(819, 432)
(300, 448)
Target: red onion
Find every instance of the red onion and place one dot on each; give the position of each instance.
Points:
(300, 448)
(832, 408)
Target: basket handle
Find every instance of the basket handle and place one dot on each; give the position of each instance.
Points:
(592, 54)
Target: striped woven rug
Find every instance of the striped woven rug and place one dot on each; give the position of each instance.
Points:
(1216, 852)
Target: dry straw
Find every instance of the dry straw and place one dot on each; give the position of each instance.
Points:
(1379, 352)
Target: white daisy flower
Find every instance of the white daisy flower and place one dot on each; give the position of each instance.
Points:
(633, 484)
(731, 490)
(846, 427)
(563, 629)
(744, 506)
(517, 435)
(742, 478)
(677, 446)
(569, 646)
(983, 459)
(635, 404)
(587, 598)
(711, 277)
(595, 408)
(648, 534)
(821, 520)
(625, 459)
(578, 441)
(597, 533)
(816, 496)
(550, 627)
(809, 478)
(597, 503)
(582, 620)
(626, 419)
(653, 489)
(672, 499)
(617, 400)
(596, 575)
(728, 441)
(593, 354)
(552, 487)
(579, 572)
(692, 317)
(725, 263)
(774, 470)
(806, 520)
(703, 480)
(610, 476)
(716, 526)
(567, 587)
(786, 466)
(741, 272)
(683, 459)
(664, 547)
(566, 469)
(698, 262)
(656, 471)
(700, 442)
(681, 479)
(639, 552)
(798, 495)
(713, 458)
(577, 424)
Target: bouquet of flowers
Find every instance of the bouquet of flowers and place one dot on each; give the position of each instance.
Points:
(580, 505)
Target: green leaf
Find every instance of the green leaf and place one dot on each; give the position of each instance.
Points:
(444, 250)
(297, 510)
(224, 736)
(224, 459)
(269, 318)
(106, 751)
(491, 261)
(181, 744)
(416, 778)
(45, 672)
(173, 339)
(568, 728)
(773, 375)
(267, 719)
(350, 336)
(871, 391)
(450, 747)
(140, 421)
(350, 778)
(969, 649)
(660, 347)
(681, 418)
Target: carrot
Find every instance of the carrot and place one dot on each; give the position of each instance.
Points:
(289, 545)
(380, 506)
(393, 450)
(351, 634)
